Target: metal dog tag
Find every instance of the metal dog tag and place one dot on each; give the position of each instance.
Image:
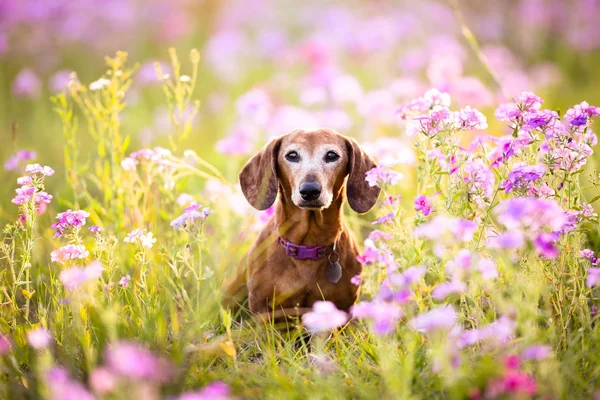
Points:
(333, 272)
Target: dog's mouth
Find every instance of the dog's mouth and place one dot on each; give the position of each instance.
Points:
(311, 204)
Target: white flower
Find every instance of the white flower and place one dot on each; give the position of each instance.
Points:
(184, 78)
(99, 84)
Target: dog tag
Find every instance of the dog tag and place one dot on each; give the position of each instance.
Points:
(333, 272)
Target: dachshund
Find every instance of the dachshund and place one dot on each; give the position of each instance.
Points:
(305, 253)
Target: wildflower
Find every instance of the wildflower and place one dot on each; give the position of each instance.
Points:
(95, 229)
(185, 200)
(370, 255)
(5, 344)
(191, 214)
(212, 391)
(61, 386)
(469, 118)
(324, 317)
(355, 280)
(423, 204)
(24, 194)
(593, 278)
(99, 84)
(487, 268)
(445, 289)
(384, 315)
(514, 383)
(43, 197)
(140, 236)
(377, 235)
(382, 175)
(545, 245)
(24, 180)
(508, 241)
(522, 176)
(443, 317)
(125, 280)
(530, 213)
(536, 352)
(587, 253)
(443, 225)
(385, 219)
(69, 252)
(529, 101)
(38, 169)
(131, 360)
(102, 380)
(39, 338)
(22, 155)
(129, 164)
(26, 84)
(581, 113)
(70, 219)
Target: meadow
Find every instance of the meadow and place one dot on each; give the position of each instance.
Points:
(125, 126)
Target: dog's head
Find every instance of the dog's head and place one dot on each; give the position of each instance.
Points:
(311, 167)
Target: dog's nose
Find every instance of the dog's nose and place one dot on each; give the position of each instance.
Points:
(310, 190)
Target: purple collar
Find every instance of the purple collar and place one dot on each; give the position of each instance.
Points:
(300, 252)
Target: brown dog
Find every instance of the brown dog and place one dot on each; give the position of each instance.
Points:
(299, 255)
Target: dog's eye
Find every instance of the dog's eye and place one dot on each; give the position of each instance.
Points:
(331, 156)
(292, 156)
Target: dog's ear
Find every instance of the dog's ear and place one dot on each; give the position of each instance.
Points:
(259, 176)
(361, 196)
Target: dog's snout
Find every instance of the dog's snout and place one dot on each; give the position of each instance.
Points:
(310, 190)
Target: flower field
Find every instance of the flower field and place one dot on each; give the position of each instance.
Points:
(125, 127)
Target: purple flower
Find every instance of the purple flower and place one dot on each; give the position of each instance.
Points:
(487, 268)
(191, 214)
(593, 277)
(501, 330)
(26, 84)
(443, 317)
(445, 289)
(522, 176)
(103, 381)
(355, 280)
(132, 360)
(385, 219)
(62, 387)
(96, 229)
(43, 197)
(212, 391)
(384, 315)
(508, 241)
(382, 175)
(469, 118)
(324, 317)
(70, 219)
(545, 245)
(423, 204)
(125, 280)
(24, 194)
(587, 253)
(530, 213)
(528, 101)
(5, 344)
(581, 113)
(38, 169)
(536, 352)
(442, 225)
(370, 255)
(380, 235)
(69, 252)
(39, 338)
(22, 155)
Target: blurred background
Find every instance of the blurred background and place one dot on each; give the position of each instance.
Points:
(269, 66)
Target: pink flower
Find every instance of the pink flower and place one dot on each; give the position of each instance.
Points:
(43, 197)
(62, 387)
(38, 169)
(385, 219)
(69, 252)
(39, 338)
(131, 360)
(423, 204)
(443, 317)
(22, 155)
(469, 118)
(355, 280)
(5, 344)
(324, 317)
(384, 315)
(73, 278)
(125, 281)
(96, 229)
(501, 330)
(212, 391)
(536, 352)
(382, 175)
(587, 253)
(145, 239)
(593, 278)
(445, 289)
(26, 84)
(103, 381)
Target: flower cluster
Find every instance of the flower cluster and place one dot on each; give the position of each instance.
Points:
(191, 214)
(75, 277)
(20, 156)
(68, 220)
(142, 237)
(32, 186)
(69, 252)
